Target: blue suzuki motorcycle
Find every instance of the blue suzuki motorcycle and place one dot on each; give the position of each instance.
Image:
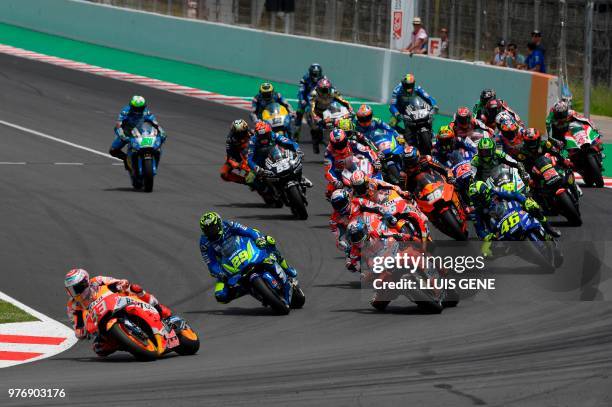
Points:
(255, 271)
(390, 151)
(143, 153)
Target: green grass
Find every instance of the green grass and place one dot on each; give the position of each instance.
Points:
(10, 313)
(601, 99)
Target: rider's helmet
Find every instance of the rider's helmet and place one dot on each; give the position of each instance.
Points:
(345, 124)
(263, 133)
(509, 129)
(76, 282)
(486, 95)
(240, 128)
(446, 139)
(561, 113)
(324, 87)
(266, 90)
(356, 231)
(531, 139)
(138, 104)
(315, 72)
(338, 140)
(463, 118)
(486, 149)
(340, 200)
(411, 157)
(359, 183)
(212, 226)
(492, 108)
(408, 83)
(364, 115)
(479, 193)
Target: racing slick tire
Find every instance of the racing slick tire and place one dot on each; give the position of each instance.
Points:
(270, 297)
(141, 350)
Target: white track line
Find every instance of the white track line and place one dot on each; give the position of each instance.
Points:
(68, 164)
(56, 139)
(12, 163)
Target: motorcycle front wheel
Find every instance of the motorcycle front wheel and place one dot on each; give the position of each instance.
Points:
(147, 174)
(270, 297)
(294, 196)
(568, 209)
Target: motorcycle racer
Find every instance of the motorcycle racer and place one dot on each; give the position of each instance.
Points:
(349, 128)
(414, 163)
(484, 198)
(493, 108)
(401, 92)
(321, 99)
(340, 151)
(467, 128)
(447, 142)
(559, 119)
(236, 149)
(266, 96)
(129, 117)
(214, 232)
(307, 84)
(82, 291)
(488, 157)
(485, 96)
(367, 124)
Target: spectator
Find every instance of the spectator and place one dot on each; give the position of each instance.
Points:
(500, 53)
(536, 38)
(513, 58)
(535, 59)
(443, 43)
(418, 40)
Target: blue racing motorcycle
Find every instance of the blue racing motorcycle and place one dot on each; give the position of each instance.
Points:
(143, 153)
(513, 224)
(255, 271)
(390, 152)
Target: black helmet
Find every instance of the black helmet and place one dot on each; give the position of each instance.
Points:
(486, 95)
(315, 72)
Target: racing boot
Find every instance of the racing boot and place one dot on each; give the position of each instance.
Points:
(550, 230)
(118, 153)
(380, 305)
(306, 182)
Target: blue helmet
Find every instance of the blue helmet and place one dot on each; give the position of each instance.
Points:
(340, 200)
(357, 231)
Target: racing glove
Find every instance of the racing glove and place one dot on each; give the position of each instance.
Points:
(261, 242)
(250, 178)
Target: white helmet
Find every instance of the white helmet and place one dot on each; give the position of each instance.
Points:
(76, 282)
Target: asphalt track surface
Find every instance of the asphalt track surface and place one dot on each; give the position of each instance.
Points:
(336, 351)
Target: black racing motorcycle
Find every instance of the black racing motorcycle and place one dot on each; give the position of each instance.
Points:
(418, 122)
(283, 181)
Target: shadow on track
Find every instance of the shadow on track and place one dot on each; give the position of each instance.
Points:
(121, 189)
(286, 216)
(254, 312)
(351, 285)
(247, 205)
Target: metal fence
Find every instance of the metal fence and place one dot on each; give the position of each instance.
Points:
(475, 26)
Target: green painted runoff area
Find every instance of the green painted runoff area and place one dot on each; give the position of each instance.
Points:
(10, 313)
(223, 82)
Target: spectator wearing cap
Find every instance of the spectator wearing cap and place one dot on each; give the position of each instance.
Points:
(513, 58)
(418, 40)
(536, 38)
(443, 43)
(498, 58)
(535, 59)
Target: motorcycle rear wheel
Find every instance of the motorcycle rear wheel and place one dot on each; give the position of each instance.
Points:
(425, 142)
(594, 171)
(270, 297)
(298, 298)
(130, 343)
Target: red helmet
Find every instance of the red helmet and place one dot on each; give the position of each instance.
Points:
(411, 157)
(531, 138)
(463, 118)
(509, 129)
(324, 87)
(263, 131)
(359, 182)
(338, 140)
(364, 115)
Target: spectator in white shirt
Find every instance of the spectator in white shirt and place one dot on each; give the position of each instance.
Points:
(418, 40)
